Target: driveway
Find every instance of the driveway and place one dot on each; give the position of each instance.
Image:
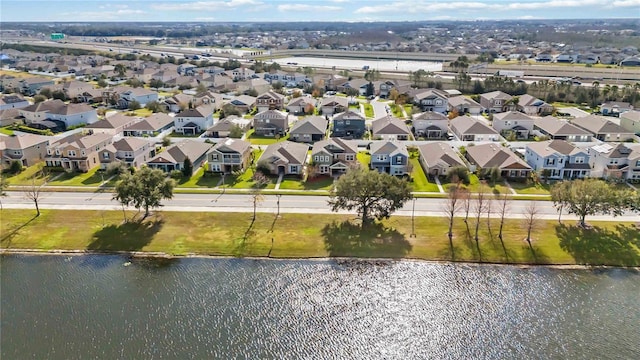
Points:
(379, 108)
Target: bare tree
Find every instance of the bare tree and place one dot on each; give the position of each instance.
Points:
(450, 208)
(259, 180)
(503, 208)
(33, 192)
(480, 207)
(489, 208)
(4, 184)
(465, 195)
(531, 217)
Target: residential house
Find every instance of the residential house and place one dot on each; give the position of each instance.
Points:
(615, 108)
(614, 161)
(132, 151)
(271, 123)
(229, 155)
(31, 86)
(558, 159)
(194, 121)
(114, 124)
(431, 125)
(28, 149)
(270, 100)
(487, 156)
(178, 102)
(333, 105)
(174, 156)
(330, 82)
(309, 129)
(243, 103)
(12, 101)
(9, 116)
(400, 86)
(630, 121)
(557, 129)
(469, 129)
(464, 105)
(603, 129)
(349, 124)
(497, 101)
(390, 128)
(432, 100)
(389, 157)
(437, 158)
(361, 85)
(299, 104)
(77, 152)
(152, 125)
(285, 157)
(513, 123)
(141, 95)
(68, 114)
(533, 106)
(223, 127)
(334, 156)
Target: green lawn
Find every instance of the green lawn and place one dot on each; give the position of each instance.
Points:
(141, 112)
(318, 183)
(420, 182)
(314, 235)
(199, 179)
(408, 108)
(530, 189)
(25, 177)
(93, 177)
(397, 111)
(475, 185)
(6, 130)
(368, 110)
(263, 140)
(364, 159)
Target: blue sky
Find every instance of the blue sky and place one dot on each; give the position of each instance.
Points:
(313, 10)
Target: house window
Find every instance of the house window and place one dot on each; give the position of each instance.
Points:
(382, 157)
(579, 160)
(215, 167)
(48, 151)
(316, 158)
(349, 157)
(71, 153)
(551, 161)
(105, 155)
(293, 169)
(399, 158)
(57, 152)
(638, 163)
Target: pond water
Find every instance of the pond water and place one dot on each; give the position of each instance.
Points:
(101, 306)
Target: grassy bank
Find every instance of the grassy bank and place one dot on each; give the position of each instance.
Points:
(305, 235)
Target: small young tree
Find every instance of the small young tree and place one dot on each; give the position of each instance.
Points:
(259, 181)
(480, 207)
(15, 167)
(166, 141)
(503, 209)
(531, 216)
(134, 105)
(33, 192)
(560, 195)
(187, 168)
(465, 195)
(4, 185)
(451, 208)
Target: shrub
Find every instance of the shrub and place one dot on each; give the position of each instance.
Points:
(15, 167)
(176, 174)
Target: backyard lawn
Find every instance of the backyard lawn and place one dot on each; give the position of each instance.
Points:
(530, 189)
(25, 177)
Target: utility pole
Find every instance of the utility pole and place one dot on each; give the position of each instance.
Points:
(413, 216)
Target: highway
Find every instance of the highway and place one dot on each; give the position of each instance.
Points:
(243, 203)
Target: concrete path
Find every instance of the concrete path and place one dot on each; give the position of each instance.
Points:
(513, 192)
(439, 184)
(279, 181)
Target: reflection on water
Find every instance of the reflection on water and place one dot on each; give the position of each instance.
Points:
(83, 307)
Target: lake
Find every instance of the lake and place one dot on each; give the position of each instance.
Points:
(102, 307)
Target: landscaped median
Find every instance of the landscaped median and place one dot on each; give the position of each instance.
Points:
(312, 235)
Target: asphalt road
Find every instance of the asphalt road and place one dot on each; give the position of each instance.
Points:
(243, 203)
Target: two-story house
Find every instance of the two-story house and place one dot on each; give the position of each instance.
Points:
(270, 100)
(533, 106)
(28, 149)
(558, 159)
(284, 158)
(334, 156)
(432, 100)
(67, 114)
(141, 95)
(603, 129)
(32, 85)
(271, 123)
(174, 156)
(229, 155)
(349, 124)
(390, 128)
(630, 121)
(497, 101)
(513, 123)
(400, 86)
(194, 121)
(132, 151)
(309, 129)
(389, 157)
(77, 152)
(431, 125)
(611, 161)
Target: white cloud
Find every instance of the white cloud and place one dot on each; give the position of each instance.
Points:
(205, 5)
(422, 6)
(626, 3)
(307, 7)
(103, 15)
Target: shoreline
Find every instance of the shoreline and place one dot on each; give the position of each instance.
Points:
(162, 255)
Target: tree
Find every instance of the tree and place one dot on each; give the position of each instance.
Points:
(134, 105)
(154, 106)
(502, 210)
(458, 174)
(156, 83)
(480, 207)
(33, 192)
(531, 215)
(187, 167)
(145, 188)
(102, 83)
(560, 193)
(15, 167)
(259, 181)
(592, 197)
(372, 194)
(4, 185)
(38, 99)
(46, 92)
(235, 132)
(166, 141)
(59, 95)
(121, 69)
(451, 207)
